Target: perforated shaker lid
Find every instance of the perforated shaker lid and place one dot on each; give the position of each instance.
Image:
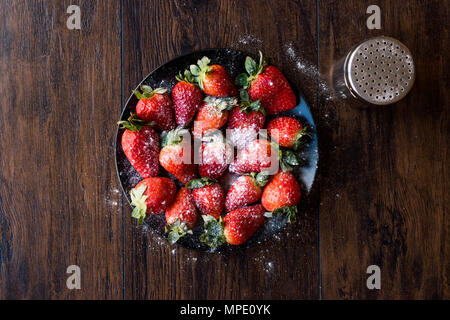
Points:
(380, 70)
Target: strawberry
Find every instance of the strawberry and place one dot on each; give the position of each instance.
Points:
(187, 99)
(181, 216)
(245, 121)
(152, 196)
(267, 84)
(236, 228)
(175, 157)
(214, 80)
(282, 195)
(208, 196)
(215, 154)
(213, 114)
(255, 157)
(245, 190)
(155, 105)
(287, 132)
(140, 143)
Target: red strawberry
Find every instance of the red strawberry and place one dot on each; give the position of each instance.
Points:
(208, 196)
(268, 84)
(215, 154)
(286, 131)
(140, 143)
(245, 190)
(245, 121)
(152, 196)
(259, 155)
(213, 114)
(176, 155)
(236, 228)
(214, 80)
(282, 195)
(155, 105)
(187, 99)
(181, 216)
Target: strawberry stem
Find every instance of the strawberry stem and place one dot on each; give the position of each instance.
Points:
(177, 230)
(173, 137)
(134, 123)
(148, 92)
(221, 104)
(213, 235)
(186, 77)
(200, 70)
(200, 183)
(138, 202)
(299, 138)
(289, 212)
(248, 105)
(253, 69)
(287, 159)
(260, 178)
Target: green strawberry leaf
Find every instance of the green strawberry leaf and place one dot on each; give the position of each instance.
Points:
(243, 94)
(200, 183)
(262, 178)
(248, 105)
(138, 202)
(203, 62)
(242, 80)
(299, 139)
(285, 167)
(287, 159)
(213, 235)
(198, 71)
(138, 94)
(195, 70)
(290, 212)
(173, 137)
(187, 77)
(146, 89)
(290, 158)
(148, 92)
(221, 104)
(250, 66)
(134, 123)
(253, 69)
(176, 230)
(159, 91)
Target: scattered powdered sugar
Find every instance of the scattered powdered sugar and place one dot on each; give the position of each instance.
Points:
(248, 39)
(112, 198)
(269, 266)
(300, 63)
(309, 70)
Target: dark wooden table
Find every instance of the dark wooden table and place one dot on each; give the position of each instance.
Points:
(382, 192)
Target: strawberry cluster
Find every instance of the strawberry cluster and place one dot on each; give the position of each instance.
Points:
(205, 101)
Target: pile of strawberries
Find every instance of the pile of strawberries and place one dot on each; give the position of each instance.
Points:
(203, 103)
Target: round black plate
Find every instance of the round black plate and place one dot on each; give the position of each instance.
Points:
(233, 61)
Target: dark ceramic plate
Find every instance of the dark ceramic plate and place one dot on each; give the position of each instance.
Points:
(233, 61)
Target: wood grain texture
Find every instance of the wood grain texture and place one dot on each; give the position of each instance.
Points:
(60, 202)
(382, 193)
(282, 268)
(384, 171)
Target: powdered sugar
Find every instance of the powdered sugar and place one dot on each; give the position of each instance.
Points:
(248, 39)
(311, 72)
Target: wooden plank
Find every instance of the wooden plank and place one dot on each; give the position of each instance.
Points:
(157, 31)
(384, 171)
(60, 202)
